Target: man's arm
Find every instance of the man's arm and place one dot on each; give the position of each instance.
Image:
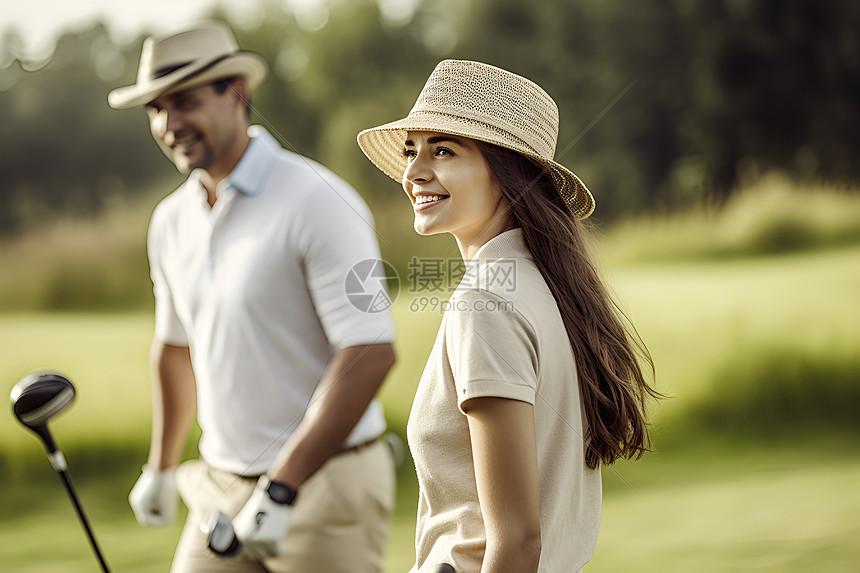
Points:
(174, 397)
(174, 403)
(349, 383)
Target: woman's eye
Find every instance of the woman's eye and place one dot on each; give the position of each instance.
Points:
(444, 151)
(409, 154)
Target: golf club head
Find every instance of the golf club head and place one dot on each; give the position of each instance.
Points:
(37, 398)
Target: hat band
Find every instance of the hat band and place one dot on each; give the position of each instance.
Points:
(192, 75)
(167, 70)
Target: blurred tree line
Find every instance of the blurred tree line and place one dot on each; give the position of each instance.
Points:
(662, 103)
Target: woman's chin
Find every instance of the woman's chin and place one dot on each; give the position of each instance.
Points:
(424, 228)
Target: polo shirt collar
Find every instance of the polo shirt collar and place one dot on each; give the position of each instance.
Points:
(504, 245)
(250, 174)
(253, 169)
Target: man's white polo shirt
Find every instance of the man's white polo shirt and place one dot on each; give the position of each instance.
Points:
(255, 287)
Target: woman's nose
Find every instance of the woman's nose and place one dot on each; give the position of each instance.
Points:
(417, 170)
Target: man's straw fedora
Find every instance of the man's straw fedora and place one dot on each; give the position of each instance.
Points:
(482, 102)
(188, 58)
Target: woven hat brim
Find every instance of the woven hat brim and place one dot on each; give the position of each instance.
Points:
(384, 145)
(249, 65)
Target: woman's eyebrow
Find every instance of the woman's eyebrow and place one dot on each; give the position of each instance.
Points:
(444, 138)
(436, 139)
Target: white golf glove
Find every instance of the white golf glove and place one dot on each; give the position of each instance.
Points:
(262, 524)
(154, 497)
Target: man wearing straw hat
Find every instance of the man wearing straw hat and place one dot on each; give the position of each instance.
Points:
(254, 331)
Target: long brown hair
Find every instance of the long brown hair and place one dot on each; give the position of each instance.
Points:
(609, 353)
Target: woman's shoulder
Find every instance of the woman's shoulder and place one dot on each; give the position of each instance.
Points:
(504, 267)
(513, 278)
(503, 293)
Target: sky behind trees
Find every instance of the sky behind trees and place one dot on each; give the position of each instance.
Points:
(662, 103)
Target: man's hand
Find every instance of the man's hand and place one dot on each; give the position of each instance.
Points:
(262, 524)
(154, 497)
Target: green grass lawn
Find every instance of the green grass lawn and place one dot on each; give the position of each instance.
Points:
(741, 501)
(717, 508)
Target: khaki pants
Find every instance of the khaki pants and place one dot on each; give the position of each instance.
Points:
(339, 522)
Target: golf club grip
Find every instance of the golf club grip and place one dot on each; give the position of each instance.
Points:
(64, 475)
(220, 537)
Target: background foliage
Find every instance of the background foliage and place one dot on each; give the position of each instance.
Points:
(714, 93)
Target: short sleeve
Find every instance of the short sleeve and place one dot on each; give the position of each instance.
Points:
(491, 347)
(340, 248)
(168, 327)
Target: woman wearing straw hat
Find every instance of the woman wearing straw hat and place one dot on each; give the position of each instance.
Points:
(534, 381)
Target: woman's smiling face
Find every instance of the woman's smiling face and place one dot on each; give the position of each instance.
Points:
(452, 190)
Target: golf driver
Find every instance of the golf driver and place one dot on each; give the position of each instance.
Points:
(35, 400)
(223, 540)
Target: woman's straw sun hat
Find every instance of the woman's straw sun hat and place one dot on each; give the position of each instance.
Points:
(188, 58)
(482, 102)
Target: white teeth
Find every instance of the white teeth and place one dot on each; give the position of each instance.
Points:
(421, 199)
(186, 141)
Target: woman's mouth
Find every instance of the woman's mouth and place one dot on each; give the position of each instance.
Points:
(426, 201)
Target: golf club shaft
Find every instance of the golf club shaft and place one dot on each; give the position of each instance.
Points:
(64, 475)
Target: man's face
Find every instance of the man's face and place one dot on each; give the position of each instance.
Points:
(197, 127)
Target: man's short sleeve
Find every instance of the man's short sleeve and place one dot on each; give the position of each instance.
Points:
(168, 327)
(491, 348)
(340, 244)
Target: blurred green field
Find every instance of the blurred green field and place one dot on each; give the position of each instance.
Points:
(756, 467)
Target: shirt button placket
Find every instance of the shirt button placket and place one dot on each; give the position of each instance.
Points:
(217, 215)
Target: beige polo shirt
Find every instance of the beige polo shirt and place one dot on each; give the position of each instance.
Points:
(502, 336)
